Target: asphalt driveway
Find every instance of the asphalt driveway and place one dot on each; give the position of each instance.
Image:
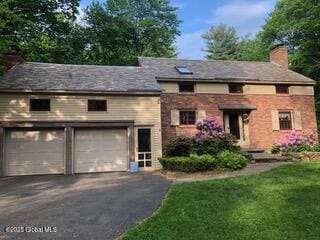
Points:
(87, 206)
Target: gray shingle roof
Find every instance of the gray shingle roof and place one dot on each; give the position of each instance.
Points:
(47, 76)
(164, 69)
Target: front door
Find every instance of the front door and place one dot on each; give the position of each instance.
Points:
(143, 148)
(235, 124)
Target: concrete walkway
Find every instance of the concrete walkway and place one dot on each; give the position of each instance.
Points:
(251, 169)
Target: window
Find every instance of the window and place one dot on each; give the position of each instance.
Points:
(183, 70)
(186, 87)
(235, 88)
(39, 104)
(285, 121)
(144, 147)
(97, 105)
(187, 117)
(282, 89)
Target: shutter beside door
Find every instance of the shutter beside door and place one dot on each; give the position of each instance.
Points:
(275, 120)
(175, 118)
(297, 120)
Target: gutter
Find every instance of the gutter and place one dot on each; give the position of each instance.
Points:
(233, 80)
(83, 92)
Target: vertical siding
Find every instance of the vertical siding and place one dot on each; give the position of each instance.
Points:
(143, 110)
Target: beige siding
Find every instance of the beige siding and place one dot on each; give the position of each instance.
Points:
(143, 110)
(301, 90)
(214, 88)
(259, 89)
(169, 87)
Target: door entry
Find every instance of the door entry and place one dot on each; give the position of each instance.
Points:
(144, 156)
(234, 124)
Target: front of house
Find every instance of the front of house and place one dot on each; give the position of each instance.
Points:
(258, 102)
(70, 119)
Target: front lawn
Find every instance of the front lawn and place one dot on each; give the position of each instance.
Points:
(281, 204)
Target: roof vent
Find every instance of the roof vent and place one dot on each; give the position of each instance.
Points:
(183, 70)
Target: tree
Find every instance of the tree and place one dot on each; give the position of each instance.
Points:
(296, 23)
(252, 50)
(222, 42)
(37, 26)
(122, 30)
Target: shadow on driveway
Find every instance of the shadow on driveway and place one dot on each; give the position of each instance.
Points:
(87, 206)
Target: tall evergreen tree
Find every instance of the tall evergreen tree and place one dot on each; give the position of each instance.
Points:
(222, 42)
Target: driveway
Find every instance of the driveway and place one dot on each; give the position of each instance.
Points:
(87, 206)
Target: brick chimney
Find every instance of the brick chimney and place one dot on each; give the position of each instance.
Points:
(12, 58)
(279, 55)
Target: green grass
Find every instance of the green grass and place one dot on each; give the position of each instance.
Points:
(281, 204)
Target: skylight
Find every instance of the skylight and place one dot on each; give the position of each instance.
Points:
(183, 70)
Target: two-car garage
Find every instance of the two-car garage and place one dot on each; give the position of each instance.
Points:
(45, 150)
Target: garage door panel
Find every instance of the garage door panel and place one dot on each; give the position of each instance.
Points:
(101, 150)
(42, 147)
(89, 135)
(99, 146)
(87, 168)
(40, 169)
(38, 151)
(34, 136)
(96, 157)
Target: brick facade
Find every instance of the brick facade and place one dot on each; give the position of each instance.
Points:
(262, 134)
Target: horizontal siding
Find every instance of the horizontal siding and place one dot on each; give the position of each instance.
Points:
(143, 110)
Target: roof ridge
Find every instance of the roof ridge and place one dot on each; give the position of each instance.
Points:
(85, 65)
(203, 60)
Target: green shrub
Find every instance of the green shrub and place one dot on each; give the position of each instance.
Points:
(316, 148)
(300, 148)
(231, 160)
(194, 163)
(180, 146)
(213, 146)
(275, 149)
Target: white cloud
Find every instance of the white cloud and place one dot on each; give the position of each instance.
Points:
(245, 16)
(190, 45)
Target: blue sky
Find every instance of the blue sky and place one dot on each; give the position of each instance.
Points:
(247, 16)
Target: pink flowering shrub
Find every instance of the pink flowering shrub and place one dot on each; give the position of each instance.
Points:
(209, 128)
(296, 142)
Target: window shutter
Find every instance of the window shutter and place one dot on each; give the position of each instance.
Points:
(275, 120)
(175, 118)
(297, 120)
(201, 115)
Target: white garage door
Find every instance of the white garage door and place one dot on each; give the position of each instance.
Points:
(100, 150)
(38, 151)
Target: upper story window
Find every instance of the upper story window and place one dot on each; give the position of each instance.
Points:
(186, 87)
(235, 88)
(282, 89)
(187, 117)
(39, 105)
(285, 120)
(97, 105)
(183, 70)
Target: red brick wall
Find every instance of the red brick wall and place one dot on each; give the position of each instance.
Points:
(260, 125)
